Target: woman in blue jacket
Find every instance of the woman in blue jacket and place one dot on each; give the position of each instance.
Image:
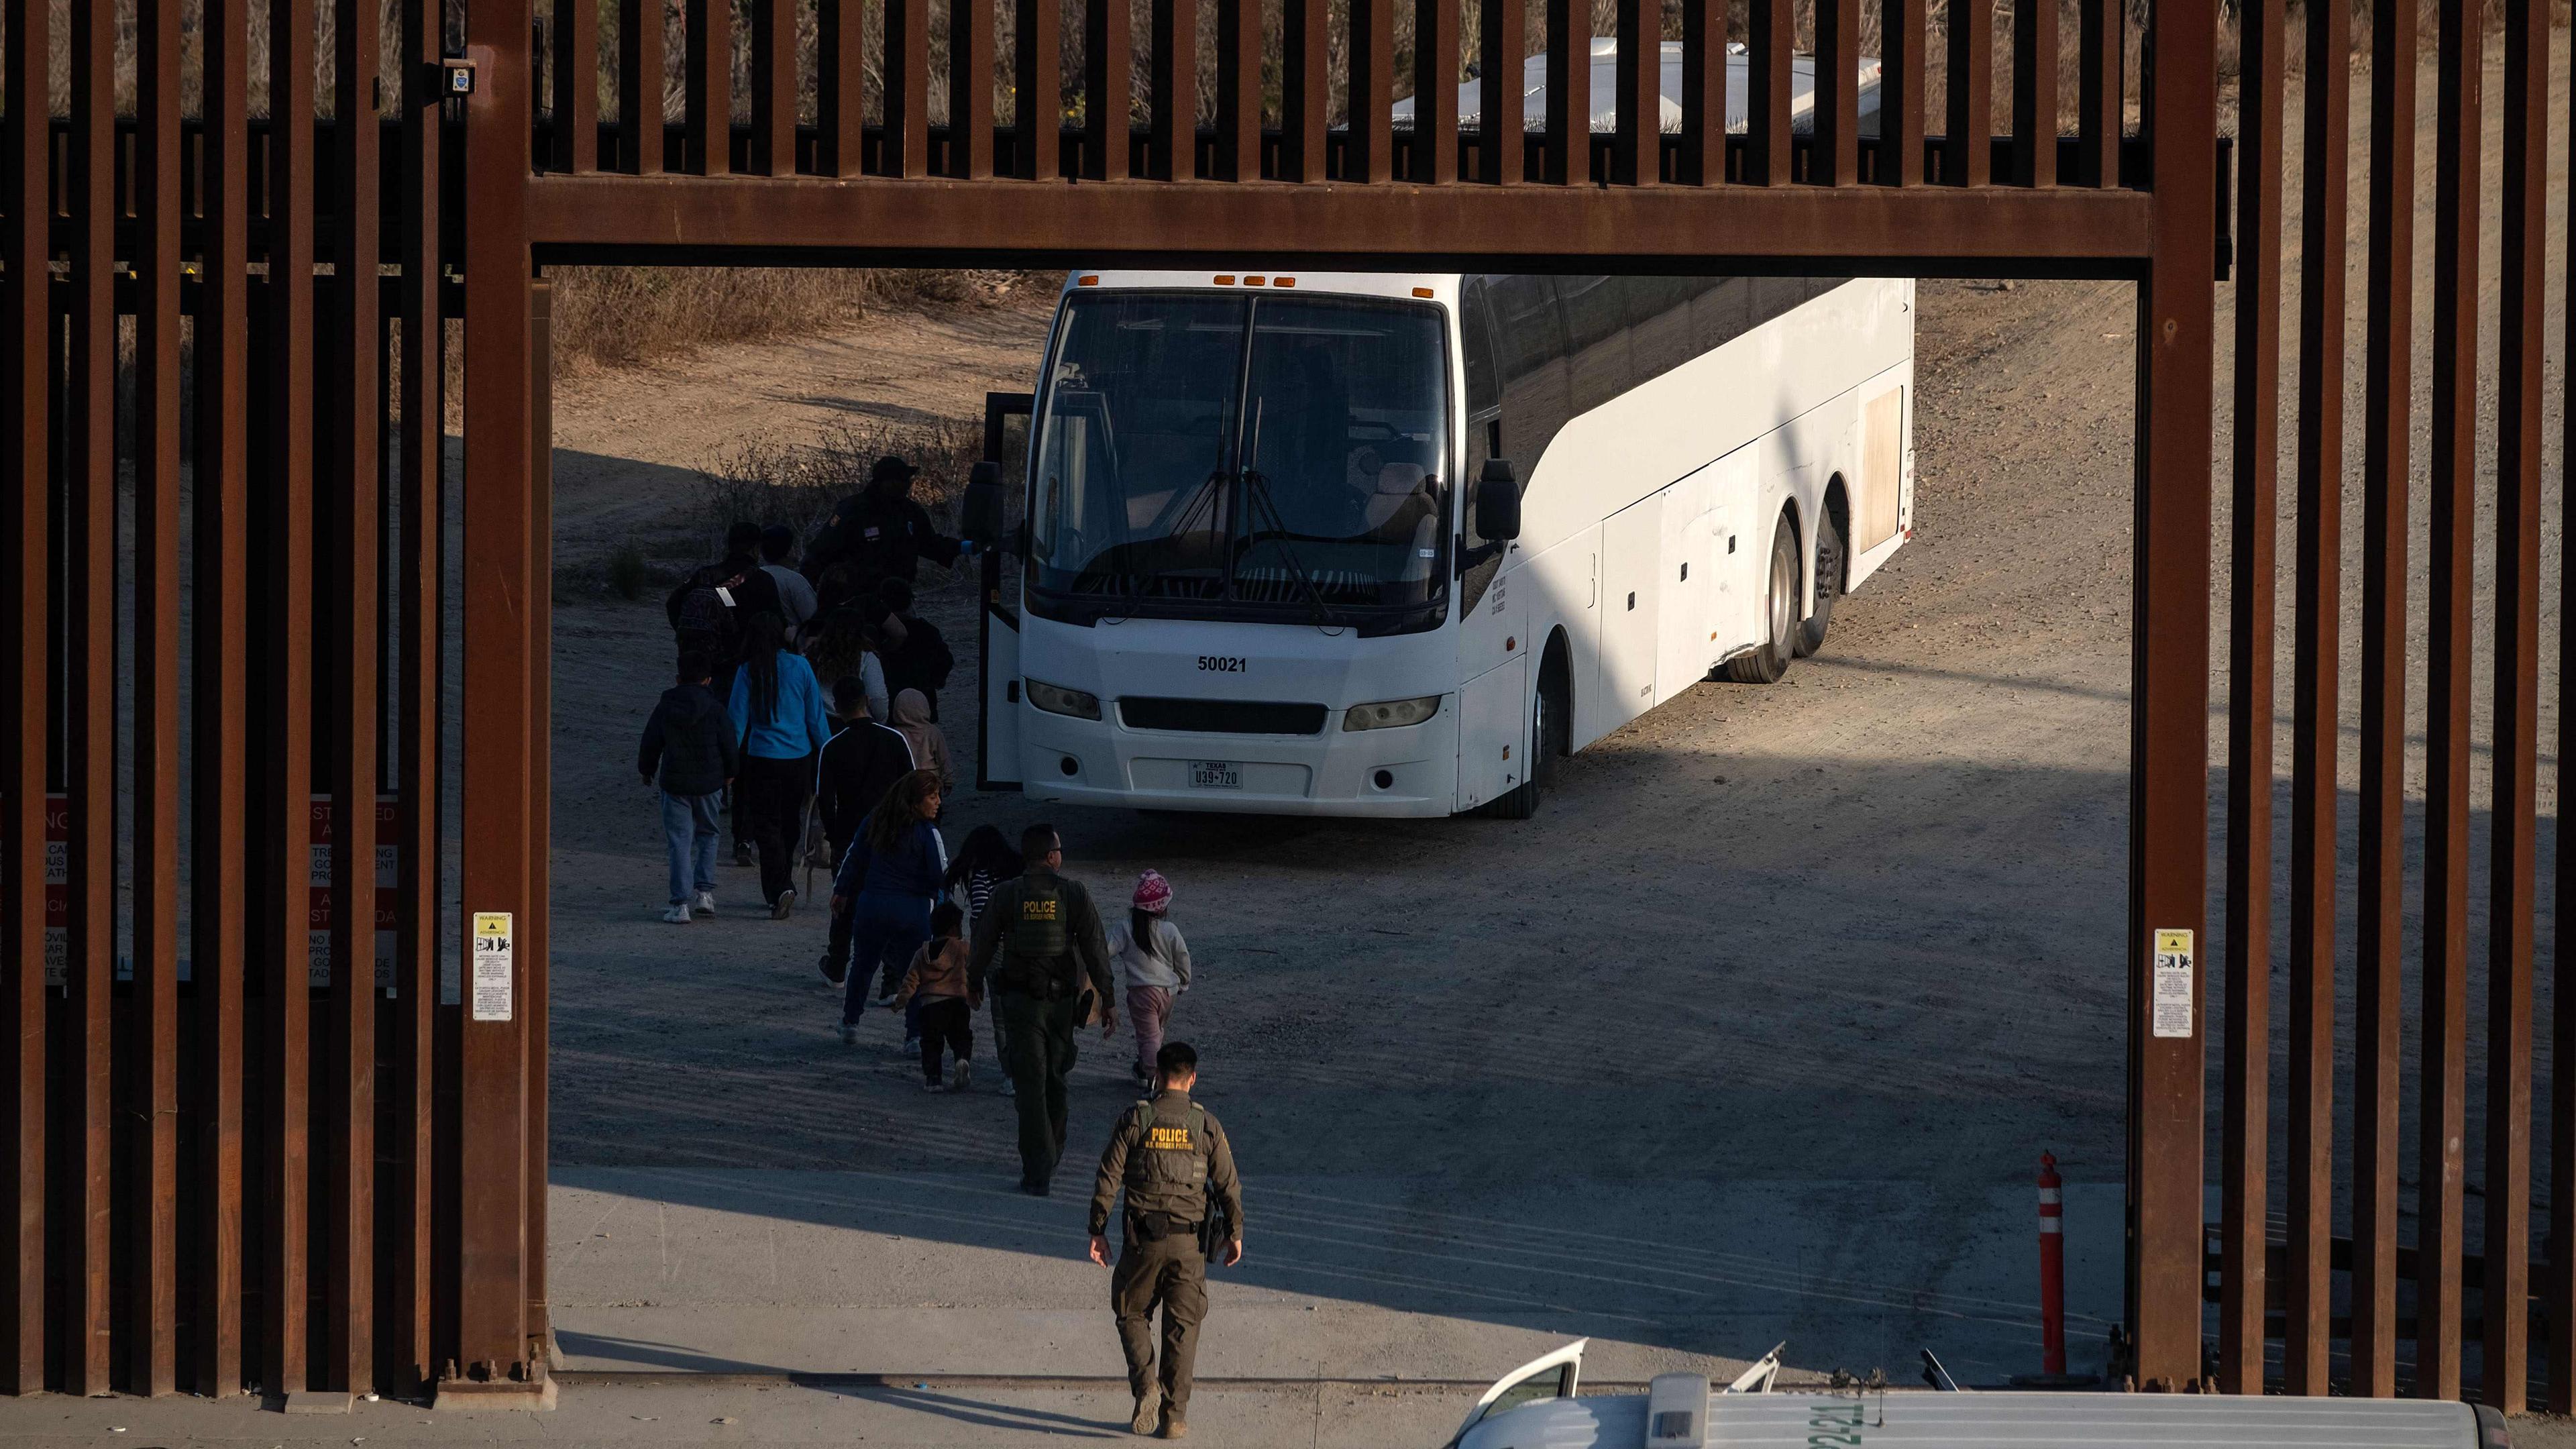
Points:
(777, 711)
(896, 869)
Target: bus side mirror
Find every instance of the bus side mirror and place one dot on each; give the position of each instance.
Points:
(1498, 502)
(979, 516)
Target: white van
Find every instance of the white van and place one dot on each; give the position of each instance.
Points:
(1535, 1407)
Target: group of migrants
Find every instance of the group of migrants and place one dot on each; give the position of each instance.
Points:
(924, 933)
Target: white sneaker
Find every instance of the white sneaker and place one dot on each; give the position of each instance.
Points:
(849, 1034)
(963, 1079)
(676, 916)
(781, 908)
(706, 903)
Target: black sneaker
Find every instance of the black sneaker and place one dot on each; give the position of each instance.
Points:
(1033, 1187)
(824, 963)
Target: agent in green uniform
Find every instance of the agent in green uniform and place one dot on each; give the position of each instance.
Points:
(1039, 938)
(1169, 1155)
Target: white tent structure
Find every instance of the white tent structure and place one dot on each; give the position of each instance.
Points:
(1605, 76)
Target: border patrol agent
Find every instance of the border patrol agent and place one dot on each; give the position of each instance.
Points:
(1040, 938)
(1172, 1159)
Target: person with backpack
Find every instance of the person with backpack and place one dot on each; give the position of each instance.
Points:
(777, 709)
(1041, 946)
(887, 884)
(877, 533)
(688, 751)
(860, 763)
(1154, 962)
(1184, 1205)
(712, 608)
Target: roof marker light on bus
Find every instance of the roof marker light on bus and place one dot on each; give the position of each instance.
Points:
(1088, 282)
(1252, 281)
(1225, 281)
(1283, 281)
(1422, 291)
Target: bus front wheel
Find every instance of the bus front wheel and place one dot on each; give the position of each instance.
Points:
(1780, 624)
(1547, 736)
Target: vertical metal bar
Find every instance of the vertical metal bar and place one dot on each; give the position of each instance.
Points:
(840, 71)
(1371, 158)
(1836, 160)
(2504, 1337)
(2439, 1175)
(2168, 818)
(907, 87)
(1771, 25)
(2562, 1083)
(2378, 918)
(1305, 98)
(1038, 109)
(2101, 98)
(1637, 142)
(2034, 92)
(773, 86)
(152, 1047)
(89, 763)
(1175, 84)
(1501, 116)
(2315, 708)
(357, 589)
(26, 367)
(707, 79)
(534, 940)
(423, 455)
(576, 84)
(492, 1250)
(1108, 80)
(1238, 90)
(970, 88)
(221, 739)
(288, 773)
(2246, 1154)
(1703, 159)
(1569, 93)
(639, 85)
(1435, 92)
(1972, 93)
(1904, 37)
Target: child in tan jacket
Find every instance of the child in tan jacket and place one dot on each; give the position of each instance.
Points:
(937, 977)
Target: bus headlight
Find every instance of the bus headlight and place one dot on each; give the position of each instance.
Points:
(1391, 714)
(1055, 699)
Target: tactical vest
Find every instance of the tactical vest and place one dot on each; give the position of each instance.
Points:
(1169, 1157)
(1036, 943)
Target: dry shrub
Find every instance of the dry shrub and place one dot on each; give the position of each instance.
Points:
(768, 480)
(622, 316)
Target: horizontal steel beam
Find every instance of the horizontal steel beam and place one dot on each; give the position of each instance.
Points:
(1913, 231)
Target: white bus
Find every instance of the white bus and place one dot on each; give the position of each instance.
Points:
(1249, 576)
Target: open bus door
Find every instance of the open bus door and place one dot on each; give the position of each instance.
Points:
(997, 634)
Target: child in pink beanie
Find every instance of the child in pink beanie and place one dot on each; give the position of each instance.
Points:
(1154, 962)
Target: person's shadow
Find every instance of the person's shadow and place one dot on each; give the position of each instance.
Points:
(987, 1415)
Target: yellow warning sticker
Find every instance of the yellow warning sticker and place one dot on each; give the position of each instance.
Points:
(491, 966)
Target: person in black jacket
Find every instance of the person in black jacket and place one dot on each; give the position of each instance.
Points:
(859, 764)
(875, 534)
(689, 751)
(711, 613)
(916, 657)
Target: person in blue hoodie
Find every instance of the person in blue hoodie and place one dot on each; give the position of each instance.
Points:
(689, 752)
(894, 872)
(777, 712)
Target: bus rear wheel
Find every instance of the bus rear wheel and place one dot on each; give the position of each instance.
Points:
(1829, 586)
(1780, 625)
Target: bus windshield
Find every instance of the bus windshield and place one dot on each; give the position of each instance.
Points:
(1243, 455)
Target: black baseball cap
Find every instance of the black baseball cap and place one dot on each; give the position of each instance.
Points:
(892, 467)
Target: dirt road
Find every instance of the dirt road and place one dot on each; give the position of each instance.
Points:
(1756, 1033)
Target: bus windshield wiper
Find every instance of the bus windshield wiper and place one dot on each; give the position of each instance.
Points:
(1260, 505)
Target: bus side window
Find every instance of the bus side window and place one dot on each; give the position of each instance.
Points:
(1484, 422)
(1659, 323)
(1476, 333)
(1721, 313)
(1596, 339)
(1775, 296)
(1529, 343)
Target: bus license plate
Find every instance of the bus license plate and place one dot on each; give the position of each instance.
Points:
(1215, 775)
